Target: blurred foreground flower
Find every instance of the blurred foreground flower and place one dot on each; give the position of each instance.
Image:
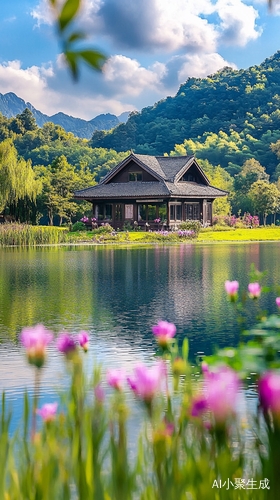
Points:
(116, 378)
(277, 300)
(66, 344)
(99, 393)
(254, 290)
(269, 392)
(83, 340)
(164, 331)
(232, 289)
(220, 394)
(35, 340)
(146, 382)
(48, 412)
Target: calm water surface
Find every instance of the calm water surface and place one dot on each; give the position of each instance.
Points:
(117, 295)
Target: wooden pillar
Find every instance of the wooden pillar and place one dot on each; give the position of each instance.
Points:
(211, 213)
(168, 214)
(204, 211)
(147, 212)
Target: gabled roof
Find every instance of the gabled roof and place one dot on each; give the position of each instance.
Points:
(166, 170)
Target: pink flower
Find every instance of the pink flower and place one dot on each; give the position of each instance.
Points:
(48, 412)
(199, 406)
(164, 331)
(99, 393)
(146, 382)
(83, 340)
(115, 378)
(221, 392)
(254, 290)
(204, 367)
(35, 340)
(232, 288)
(66, 344)
(277, 300)
(269, 392)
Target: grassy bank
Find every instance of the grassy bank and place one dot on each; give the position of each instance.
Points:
(24, 235)
(259, 234)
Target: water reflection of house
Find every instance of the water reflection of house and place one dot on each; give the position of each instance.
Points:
(143, 188)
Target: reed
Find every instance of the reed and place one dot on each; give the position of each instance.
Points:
(25, 235)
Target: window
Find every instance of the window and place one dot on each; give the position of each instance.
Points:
(128, 210)
(141, 212)
(118, 212)
(135, 176)
(100, 212)
(188, 178)
(108, 212)
(192, 211)
(176, 211)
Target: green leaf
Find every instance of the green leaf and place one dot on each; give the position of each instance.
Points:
(68, 12)
(71, 59)
(78, 35)
(93, 58)
(185, 349)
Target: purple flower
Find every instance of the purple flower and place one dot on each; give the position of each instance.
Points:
(83, 340)
(35, 340)
(199, 406)
(48, 412)
(116, 378)
(66, 344)
(146, 382)
(164, 331)
(254, 290)
(221, 392)
(99, 393)
(232, 288)
(269, 392)
(277, 300)
(94, 219)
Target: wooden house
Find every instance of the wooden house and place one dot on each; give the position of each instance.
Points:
(145, 188)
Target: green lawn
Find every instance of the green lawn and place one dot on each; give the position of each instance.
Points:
(260, 234)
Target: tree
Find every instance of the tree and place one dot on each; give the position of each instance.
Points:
(17, 179)
(265, 198)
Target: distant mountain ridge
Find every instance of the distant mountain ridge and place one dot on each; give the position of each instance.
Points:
(11, 105)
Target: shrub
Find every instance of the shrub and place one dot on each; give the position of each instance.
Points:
(191, 225)
(78, 226)
(127, 226)
(106, 228)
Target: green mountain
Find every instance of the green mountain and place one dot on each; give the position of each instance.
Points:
(227, 118)
(11, 105)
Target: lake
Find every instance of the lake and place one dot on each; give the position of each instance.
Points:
(117, 294)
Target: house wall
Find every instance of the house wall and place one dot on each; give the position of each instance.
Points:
(123, 175)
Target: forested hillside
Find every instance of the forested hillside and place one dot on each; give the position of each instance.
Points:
(228, 118)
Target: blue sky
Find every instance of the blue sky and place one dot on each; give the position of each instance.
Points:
(152, 45)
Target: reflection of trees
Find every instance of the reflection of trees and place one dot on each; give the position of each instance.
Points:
(119, 293)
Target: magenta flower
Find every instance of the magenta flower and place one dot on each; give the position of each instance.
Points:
(116, 378)
(269, 392)
(164, 331)
(83, 340)
(99, 393)
(277, 300)
(35, 340)
(221, 393)
(66, 344)
(254, 290)
(232, 288)
(48, 412)
(199, 406)
(146, 382)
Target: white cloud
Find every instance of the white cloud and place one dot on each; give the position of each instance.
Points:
(128, 77)
(238, 22)
(200, 66)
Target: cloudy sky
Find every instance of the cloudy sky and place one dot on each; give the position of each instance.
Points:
(152, 46)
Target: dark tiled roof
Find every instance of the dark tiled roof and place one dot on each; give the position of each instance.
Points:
(165, 169)
(196, 190)
(124, 189)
